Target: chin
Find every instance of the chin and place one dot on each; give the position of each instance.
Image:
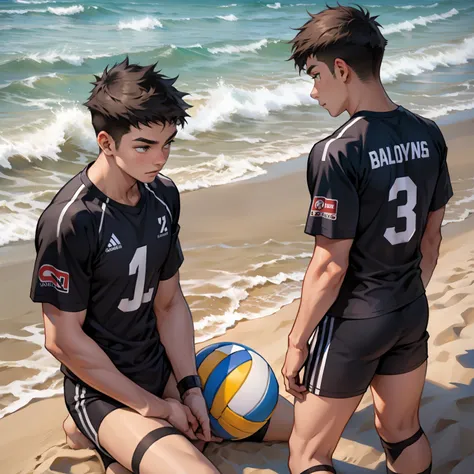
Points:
(148, 178)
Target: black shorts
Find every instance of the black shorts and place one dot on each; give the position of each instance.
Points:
(345, 354)
(88, 408)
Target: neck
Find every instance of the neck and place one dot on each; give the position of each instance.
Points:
(113, 181)
(370, 96)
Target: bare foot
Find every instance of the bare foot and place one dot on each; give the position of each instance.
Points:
(74, 438)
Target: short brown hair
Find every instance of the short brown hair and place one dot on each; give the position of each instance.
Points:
(341, 32)
(128, 95)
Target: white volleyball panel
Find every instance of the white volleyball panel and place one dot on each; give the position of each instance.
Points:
(254, 387)
(230, 349)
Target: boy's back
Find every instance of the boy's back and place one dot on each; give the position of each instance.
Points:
(385, 172)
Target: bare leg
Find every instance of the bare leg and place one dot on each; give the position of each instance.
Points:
(396, 405)
(122, 430)
(319, 423)
(116, 468)
(74, 438)
(281, 422)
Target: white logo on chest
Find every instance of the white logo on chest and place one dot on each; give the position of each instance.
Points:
(163, 227)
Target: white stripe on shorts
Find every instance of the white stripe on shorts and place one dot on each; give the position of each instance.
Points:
(325, 358)
(88, 427)
(312, 375)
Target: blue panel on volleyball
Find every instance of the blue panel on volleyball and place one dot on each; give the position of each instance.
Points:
(269, 400)
(221, 371)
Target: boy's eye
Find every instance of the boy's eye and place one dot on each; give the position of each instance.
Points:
(169, 144)
(317, 76)
(142, 149)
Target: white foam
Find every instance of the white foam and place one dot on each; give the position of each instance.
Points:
(147, 23)
(410, 7)
(22, 12)
(420, 21)
(46, 142)
(419, 62)
(283, 258)
(438, 111)
(228, 18)
(246, 48)
(55, 56)
(41, 360)
(225, 101)
(228, 6)
(34, 2)
(64, 11)
(275, 6)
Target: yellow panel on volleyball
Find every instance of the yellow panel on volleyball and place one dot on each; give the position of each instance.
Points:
(240, 423)
(227, 390)
(209, 364)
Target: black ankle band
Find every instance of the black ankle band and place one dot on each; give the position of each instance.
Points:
(393, 450)
(320, 468)
(147, 441)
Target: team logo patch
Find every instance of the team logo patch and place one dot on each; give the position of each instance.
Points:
(324, 207)
(54, 278)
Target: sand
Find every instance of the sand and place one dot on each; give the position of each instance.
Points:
(32, 440)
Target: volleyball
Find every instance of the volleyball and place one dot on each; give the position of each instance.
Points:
(240, 389)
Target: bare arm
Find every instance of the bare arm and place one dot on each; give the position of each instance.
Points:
(430, 244)
(68, 343)
(175, 325)
(321, 286)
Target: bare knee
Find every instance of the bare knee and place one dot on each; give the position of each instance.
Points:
(393, 429)
(308, 452)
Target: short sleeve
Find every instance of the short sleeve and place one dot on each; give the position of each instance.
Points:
(175, 256)
(63, 268)
(334, 206)
(443, 190)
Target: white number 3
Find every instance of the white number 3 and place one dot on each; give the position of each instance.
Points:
(404, 183)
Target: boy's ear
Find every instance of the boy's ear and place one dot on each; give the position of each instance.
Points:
(341, 69)
(106, 143)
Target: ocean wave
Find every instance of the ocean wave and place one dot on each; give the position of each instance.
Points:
(411, 7)
(417, 63)
(245, 48)
(35, 2)
(41, 360)
(59, 11)
(225, 101)
(46, 142)
(228, 18)
(439, 111)
(275, 6)
(228, 6)
(30, 81)
(62, 11)
(409, 25)
(147, 23)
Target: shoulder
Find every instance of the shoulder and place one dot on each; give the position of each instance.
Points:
(69, 215)
(429, 125)
(342, 146)
(164, 189)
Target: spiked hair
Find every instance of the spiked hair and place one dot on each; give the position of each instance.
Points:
(341, 32)
(129, 95)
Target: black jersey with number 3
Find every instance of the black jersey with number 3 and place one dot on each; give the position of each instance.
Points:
(108, 258)
(375, 180)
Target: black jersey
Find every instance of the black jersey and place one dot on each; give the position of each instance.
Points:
(108, 258)
(375, 180)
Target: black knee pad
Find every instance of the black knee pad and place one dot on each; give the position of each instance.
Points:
(320, 468)
(394, 450)
(426, 471)
(147, 441)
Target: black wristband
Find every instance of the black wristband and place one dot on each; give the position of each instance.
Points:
(188, 382)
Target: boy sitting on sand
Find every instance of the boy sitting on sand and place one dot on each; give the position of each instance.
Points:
(107, 275)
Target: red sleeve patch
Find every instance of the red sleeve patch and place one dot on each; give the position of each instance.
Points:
(324, 207)
(52, 277)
